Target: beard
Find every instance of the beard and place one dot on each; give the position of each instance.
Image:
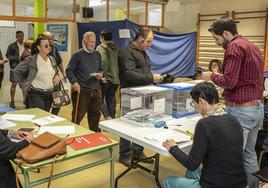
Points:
(225, 43)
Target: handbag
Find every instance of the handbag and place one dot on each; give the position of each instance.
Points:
(60, 97)
(43, 147)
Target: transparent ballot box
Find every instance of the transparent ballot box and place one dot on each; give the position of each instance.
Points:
(181, 105)
(146, 105)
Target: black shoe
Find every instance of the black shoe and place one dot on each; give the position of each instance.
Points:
(12, 104)
(144, 159)
(124, 161)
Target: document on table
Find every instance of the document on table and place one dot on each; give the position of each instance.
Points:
(5, 124)
(47, 120)
(160, 137)
(18, 117)
(68, 129)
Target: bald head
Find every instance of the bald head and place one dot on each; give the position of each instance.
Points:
(49, 36)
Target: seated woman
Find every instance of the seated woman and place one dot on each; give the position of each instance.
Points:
(217, 144)
(8, 150)
(215, 65)
(37, 76)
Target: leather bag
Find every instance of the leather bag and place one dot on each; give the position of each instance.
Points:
(60, 97)
(44, 146)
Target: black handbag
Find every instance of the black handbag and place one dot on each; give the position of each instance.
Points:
(60, 97)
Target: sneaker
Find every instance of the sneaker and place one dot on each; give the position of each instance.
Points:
(12, 104)
(144, 159)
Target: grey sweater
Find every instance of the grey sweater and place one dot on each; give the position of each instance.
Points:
(81, 65)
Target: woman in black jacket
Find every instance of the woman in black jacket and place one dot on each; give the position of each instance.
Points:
(8, 150)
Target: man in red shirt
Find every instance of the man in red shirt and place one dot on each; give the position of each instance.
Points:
(242, 80)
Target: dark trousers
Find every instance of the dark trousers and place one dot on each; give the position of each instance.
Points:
(89, 102)
(55, 111)
(125, 148)
(108, 105)
(1, 78)
(39, 99)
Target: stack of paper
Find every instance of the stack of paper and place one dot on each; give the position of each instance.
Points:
(69, 129)
(18, 117)
(5, 124)
(169, 134)
(47, 120)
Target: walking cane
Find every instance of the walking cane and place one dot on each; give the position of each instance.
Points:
(76, 106)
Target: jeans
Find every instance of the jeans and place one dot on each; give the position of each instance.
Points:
(108, 96)
(191, 180)
(125, 148)
(39, 99)
(250, 119)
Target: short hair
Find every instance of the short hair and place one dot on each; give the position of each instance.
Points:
(223, 24)
(88, 34)
(219, 63)
(142, 32)
(106, 34)
(206, 91)
(28, 44)
(19, 32)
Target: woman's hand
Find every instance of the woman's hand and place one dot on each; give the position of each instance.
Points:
(169, 143)
(56, 80)
(18, 135)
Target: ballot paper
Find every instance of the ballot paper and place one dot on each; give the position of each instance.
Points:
(160, 137)
(47, 120)
(5, 124)
(18, 117)
(68, 129)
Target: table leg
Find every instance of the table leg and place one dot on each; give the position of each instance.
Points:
(156, 170)
(111, 168)
(26, 179)
(132, 152)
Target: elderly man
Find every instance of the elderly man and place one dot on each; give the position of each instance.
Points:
(83, 72)
(242, 80)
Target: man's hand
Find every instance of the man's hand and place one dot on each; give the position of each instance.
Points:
(157, 78)
(18, 135)
(206, 76)
(56, 80)
(169, 143)
(99, 76)
(104, 80)
(76, 87)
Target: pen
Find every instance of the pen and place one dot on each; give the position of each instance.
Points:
(189, 133)
(182, 142)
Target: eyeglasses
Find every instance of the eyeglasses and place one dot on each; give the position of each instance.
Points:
(48, 46)
(192, 104)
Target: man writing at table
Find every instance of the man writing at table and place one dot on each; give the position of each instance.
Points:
(242, 80)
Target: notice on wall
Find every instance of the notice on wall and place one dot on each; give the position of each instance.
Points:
(124, 33)
(60, 33)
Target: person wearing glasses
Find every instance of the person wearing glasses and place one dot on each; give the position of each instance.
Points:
(217, 145)
(55, 53)
(37, 76)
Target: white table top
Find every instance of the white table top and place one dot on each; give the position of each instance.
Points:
(136, 133)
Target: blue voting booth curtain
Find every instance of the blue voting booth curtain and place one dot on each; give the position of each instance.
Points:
(173, 54)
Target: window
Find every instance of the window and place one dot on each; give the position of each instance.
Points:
(154, 14)
(137, 12)
(117, 10)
